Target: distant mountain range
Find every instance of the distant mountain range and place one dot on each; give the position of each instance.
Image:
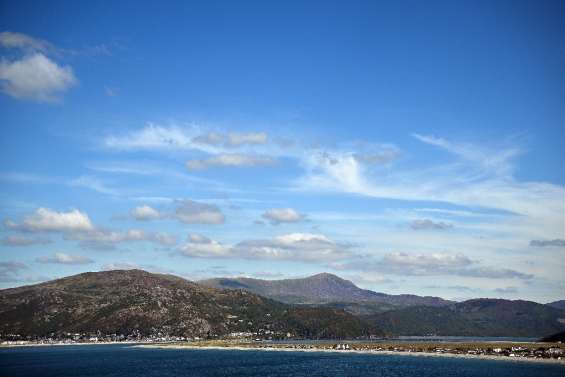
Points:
(131, 301)
(477, 317)
(320, 306)
(324, 288)
(410, 314)
(558, 304)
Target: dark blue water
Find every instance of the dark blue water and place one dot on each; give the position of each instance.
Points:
(124, 360)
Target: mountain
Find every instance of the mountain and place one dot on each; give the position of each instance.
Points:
(557, 304)
(324, 288)
(554, 338)
(477, 317)
(131, 301)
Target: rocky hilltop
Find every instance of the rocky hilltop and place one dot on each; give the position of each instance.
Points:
(323, 288)
(135, 301)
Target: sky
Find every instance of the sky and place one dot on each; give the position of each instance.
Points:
(408, 146)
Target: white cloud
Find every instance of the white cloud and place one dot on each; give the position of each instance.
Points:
(201, 246)
(47, 220)
(76, 226)
(145, 213)
(304, 247)
(35, 77)
(62, 258)
(191, 212)
(283, 215)
(295, 247)
(230, 160)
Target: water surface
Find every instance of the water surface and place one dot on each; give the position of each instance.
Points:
(127, 360)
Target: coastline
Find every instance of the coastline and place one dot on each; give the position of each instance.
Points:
(352, 351)
(296, 348)
(73, 344)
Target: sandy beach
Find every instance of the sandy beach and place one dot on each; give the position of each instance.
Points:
(367, 352)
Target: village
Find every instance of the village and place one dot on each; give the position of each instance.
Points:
(269, 340)
(523, 350)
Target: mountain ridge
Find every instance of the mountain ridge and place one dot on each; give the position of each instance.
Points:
(323, 288)
(475, 317)
(136, 301)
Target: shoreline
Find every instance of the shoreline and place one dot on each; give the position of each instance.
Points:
(294, 348)
(363, 352)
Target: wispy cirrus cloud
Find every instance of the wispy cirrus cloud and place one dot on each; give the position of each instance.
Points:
(175, 137)
(212, 149)
(476, 178)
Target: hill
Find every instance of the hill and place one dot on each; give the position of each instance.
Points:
(477, 317)
(324, 288)
(132, 301)
(557, 304)
(559, 337)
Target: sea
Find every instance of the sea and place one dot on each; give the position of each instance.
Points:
(130, 360)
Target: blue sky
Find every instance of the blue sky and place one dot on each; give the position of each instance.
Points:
(412, 147)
